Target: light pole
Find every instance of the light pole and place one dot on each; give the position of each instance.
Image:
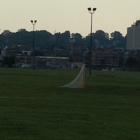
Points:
(33, 23)
(91, 11)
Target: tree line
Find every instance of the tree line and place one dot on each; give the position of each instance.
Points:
(44, 39)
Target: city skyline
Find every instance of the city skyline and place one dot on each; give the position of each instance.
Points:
(59, 16)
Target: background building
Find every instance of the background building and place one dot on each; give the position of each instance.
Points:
(103, 58)
(133, 36)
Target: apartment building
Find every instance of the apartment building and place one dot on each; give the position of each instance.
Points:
(133, 36)
(103, 58)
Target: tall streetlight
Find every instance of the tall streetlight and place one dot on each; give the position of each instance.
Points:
(33, 23)
(91, 11)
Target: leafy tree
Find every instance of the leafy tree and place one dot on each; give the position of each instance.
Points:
(131, 62)
(62, 40)
(6, 33)
(6, 38)
(44, 39)
(117, 40)
(86, 41)
(102, 38)
(22, 30)
(77, 38)
(9, 61)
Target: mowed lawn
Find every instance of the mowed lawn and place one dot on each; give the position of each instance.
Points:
(33, 106)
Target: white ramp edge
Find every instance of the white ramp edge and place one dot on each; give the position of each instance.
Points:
(79, 81)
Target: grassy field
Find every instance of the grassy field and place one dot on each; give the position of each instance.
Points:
(33, 106)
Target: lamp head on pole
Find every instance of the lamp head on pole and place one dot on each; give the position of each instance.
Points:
(94, 9)
(33, 22)
(91, 11)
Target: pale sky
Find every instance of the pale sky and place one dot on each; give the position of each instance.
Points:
(72, 15)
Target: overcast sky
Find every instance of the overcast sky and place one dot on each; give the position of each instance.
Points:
(72, 15)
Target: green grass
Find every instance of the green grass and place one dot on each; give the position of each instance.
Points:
(33, 106)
